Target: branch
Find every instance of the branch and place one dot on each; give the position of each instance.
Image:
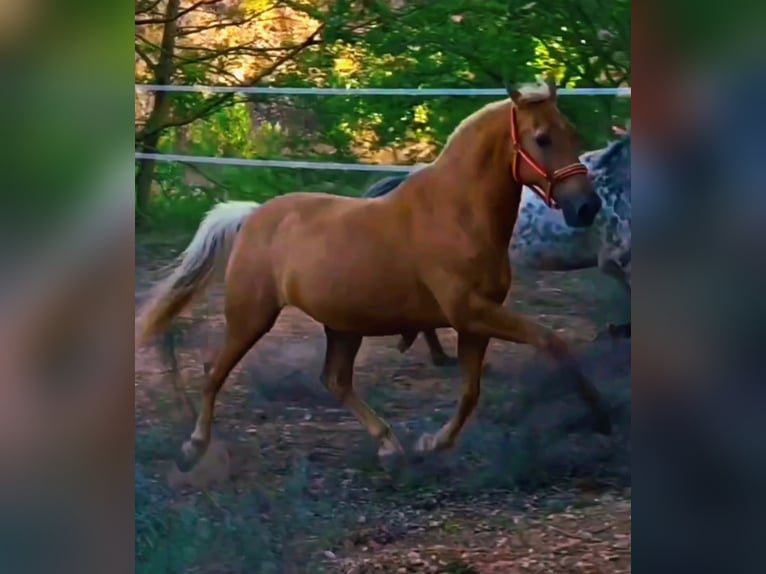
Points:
(184, 31)
(191, 30)
(145, 57)
(145, 41)
(193, 167)
(477, 63)
(228, 99)
(238, 50)
(212, 105)
(211, 68)
(399, 17)
(241, 50)
(183, 12)
(148, 8)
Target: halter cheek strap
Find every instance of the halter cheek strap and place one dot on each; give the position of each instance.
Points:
(520, 154)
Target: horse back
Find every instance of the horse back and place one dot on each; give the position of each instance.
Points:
(302, 226)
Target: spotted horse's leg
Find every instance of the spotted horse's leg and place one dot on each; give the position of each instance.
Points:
(617, 272)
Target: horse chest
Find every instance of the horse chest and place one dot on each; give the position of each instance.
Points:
(492, 279)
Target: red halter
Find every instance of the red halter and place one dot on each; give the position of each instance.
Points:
(561, 174)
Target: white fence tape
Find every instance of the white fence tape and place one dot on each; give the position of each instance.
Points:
(620, 92)
(241, 162)
(294, 164)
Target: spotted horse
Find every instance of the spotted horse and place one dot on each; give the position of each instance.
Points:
(543, 241)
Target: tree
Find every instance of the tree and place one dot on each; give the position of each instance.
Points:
(207, 41)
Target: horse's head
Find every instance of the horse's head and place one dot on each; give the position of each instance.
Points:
(545, 154)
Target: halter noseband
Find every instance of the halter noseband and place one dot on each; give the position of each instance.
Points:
(577, 168)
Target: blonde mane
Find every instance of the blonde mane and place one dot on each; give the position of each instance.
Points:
(529, 93)
(536, 92)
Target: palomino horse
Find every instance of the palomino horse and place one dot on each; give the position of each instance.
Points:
(433, 253)
(543, 241)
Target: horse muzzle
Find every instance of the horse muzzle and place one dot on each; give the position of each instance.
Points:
(580, 210)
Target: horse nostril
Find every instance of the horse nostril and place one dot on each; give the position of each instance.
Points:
(587, 211)
(585, 214)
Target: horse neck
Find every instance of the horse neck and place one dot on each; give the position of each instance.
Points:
(476, 181)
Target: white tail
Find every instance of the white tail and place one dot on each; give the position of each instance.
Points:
(204, 258)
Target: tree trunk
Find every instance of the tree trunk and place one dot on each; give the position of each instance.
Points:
(150, 137)
(145, 176)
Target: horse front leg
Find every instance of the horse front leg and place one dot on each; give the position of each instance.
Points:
(482, 317)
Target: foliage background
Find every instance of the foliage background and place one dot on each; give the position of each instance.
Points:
(344, 43)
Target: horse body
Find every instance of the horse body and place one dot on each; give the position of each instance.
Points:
(329, 287)
(322, 278)
(432, 253)
(543, 241)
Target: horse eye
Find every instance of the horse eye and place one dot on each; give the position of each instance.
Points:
(543, 139)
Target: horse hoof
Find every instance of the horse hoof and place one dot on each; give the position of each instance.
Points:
(391, 457)
(426, 443)
(190, 454)
(444, 360)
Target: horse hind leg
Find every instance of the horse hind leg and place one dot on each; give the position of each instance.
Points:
(248, 319)
(438, 356)
(471, 351)
(168, 349)
(406, 341)
(338, 377)
(615, 271)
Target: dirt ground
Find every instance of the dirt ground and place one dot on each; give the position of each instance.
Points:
(292, 483)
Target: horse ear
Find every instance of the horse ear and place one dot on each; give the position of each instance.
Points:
(550, 80)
